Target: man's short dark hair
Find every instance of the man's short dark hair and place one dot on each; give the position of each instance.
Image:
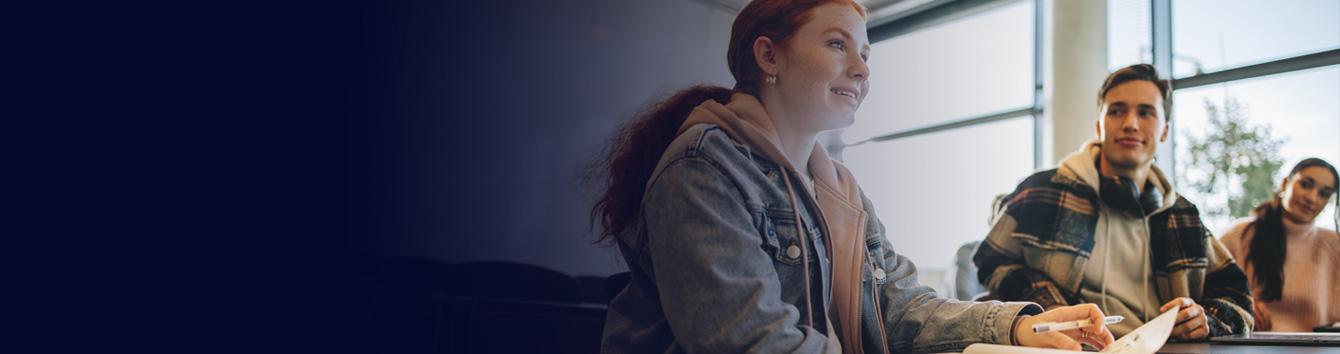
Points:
(1144, 72)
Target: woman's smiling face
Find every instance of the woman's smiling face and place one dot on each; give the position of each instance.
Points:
(822, 73)
(1306, 193)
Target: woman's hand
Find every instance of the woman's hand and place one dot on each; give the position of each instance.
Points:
(1097, 336)
(1261, 315)
(1191, 322)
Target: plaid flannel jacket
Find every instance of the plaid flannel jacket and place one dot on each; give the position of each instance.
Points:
(1043, 258)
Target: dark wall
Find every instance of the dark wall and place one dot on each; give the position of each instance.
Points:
(483, 115)
(205, 177)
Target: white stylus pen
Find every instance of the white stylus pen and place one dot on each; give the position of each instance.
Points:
(1054, 326)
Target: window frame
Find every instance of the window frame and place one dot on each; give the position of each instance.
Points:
(948, 12)
(1161, 23)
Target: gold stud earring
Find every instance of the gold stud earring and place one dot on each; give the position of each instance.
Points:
(771, 79)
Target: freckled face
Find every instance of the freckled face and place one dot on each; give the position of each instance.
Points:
(822, 71)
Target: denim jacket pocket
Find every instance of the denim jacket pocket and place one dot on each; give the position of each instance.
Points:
(783, 240)
(878, 270)
(788, 259)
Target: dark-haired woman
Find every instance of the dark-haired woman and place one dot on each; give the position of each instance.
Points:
(1293, 265)
(742, 236)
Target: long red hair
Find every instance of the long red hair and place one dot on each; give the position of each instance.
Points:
(632, 155)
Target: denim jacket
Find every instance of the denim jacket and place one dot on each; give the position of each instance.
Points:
(714, 270)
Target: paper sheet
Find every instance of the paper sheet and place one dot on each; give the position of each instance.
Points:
(1148, 338)
(1144, 340)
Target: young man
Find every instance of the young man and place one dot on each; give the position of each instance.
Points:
(1106, 227)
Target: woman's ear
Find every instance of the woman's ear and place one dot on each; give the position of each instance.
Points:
(765, 54)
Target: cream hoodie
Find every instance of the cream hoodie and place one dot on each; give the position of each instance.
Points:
(1119, 265)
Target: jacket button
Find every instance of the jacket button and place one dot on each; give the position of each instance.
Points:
(793, 251)
(879, 274)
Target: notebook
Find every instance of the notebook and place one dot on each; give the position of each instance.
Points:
(1307, 338)
(1333, 327)
(1144, 340)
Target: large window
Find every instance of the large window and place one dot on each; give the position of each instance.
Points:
(945, 111)
(1254, 129)
(1213, 35)
(1255, 93)
(975, 66)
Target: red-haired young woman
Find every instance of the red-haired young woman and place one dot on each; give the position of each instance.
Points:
(741, 235)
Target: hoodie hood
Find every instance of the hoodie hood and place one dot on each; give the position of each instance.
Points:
(1083, 164)
(841, 214)
(745, 120)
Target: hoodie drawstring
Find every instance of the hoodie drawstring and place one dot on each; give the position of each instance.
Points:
(1107, 247)
(804, 249)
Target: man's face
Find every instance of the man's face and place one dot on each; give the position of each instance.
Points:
(1131, 124)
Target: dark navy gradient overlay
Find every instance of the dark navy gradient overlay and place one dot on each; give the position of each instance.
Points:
(218, 177)
(197, 177)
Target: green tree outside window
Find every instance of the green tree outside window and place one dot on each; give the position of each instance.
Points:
(1232, 152)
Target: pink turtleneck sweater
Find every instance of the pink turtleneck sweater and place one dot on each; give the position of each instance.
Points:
(1311, 294)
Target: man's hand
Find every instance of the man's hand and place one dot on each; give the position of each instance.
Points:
(1191, 322)
(1097, 336)
(1261, 315)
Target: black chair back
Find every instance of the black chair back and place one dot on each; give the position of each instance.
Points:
(616, 283)
(512, 281)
